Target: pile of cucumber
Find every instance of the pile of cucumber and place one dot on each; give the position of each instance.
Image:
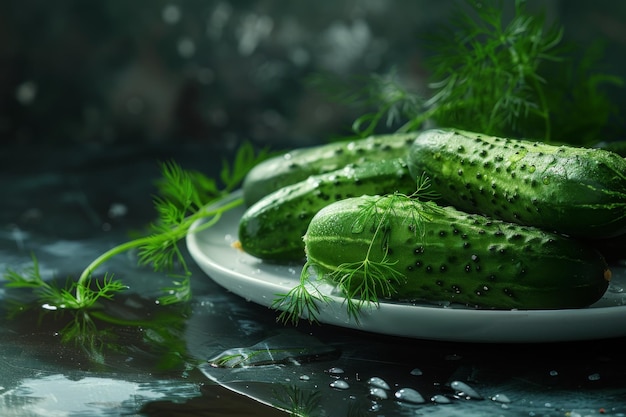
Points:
(505, 223)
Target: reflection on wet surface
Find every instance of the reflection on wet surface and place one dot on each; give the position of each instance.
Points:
(285, 348)
(142, 358)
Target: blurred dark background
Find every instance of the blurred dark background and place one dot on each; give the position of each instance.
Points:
(115, 72)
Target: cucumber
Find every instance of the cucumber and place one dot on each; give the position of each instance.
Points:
(273, 227)
(297, 165)
(416, 250)
(575, 191)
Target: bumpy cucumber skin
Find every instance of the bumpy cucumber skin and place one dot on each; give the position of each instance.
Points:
(272, 228)
(460, 257)
(297, 165)
(575, 191)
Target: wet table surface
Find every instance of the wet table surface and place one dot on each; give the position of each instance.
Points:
(135, 357)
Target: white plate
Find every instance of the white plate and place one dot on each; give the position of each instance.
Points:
(259, 282)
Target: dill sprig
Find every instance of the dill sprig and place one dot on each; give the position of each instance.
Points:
(486, 72)
(512, 77)
(182, 199)
(363, 282)
(54, 297)
(302, 300)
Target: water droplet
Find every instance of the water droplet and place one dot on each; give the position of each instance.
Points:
(375, 407)
(335, 371)
(416, 372)
(553, 373)
(378, 382)
(304, 377)
(594, 377)
(453, 357)
(546, 180)
(409, 395)
(339, 384)
(532, 169)
(500, 398)
(440, 399)
(378, 393)
(463, 390)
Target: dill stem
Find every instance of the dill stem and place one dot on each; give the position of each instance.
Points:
(216, 213)
(86, 274)
(181, 230)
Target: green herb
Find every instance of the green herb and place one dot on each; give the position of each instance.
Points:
(302, 300)
(512, 78)
(53, 297)
(182, 199)
(359, 282)
(487, 72)
(581, 111)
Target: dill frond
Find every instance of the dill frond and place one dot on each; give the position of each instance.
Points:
(301, 301)
(181, 201)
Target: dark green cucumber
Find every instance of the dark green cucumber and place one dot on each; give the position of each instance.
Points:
(575, 191)
(273, 227)
(297, 165)
(453, 256)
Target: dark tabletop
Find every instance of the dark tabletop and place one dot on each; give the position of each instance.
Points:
(93, 97)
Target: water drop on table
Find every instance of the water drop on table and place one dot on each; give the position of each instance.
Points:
(440, 399)
(500, 398)
(339, 384)
(335, 371)
(378, 393)
(453, 357)
(463, 390)
(594, 377)
(416, 372)
(375, 407)
(378, 382)
(409, 395)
